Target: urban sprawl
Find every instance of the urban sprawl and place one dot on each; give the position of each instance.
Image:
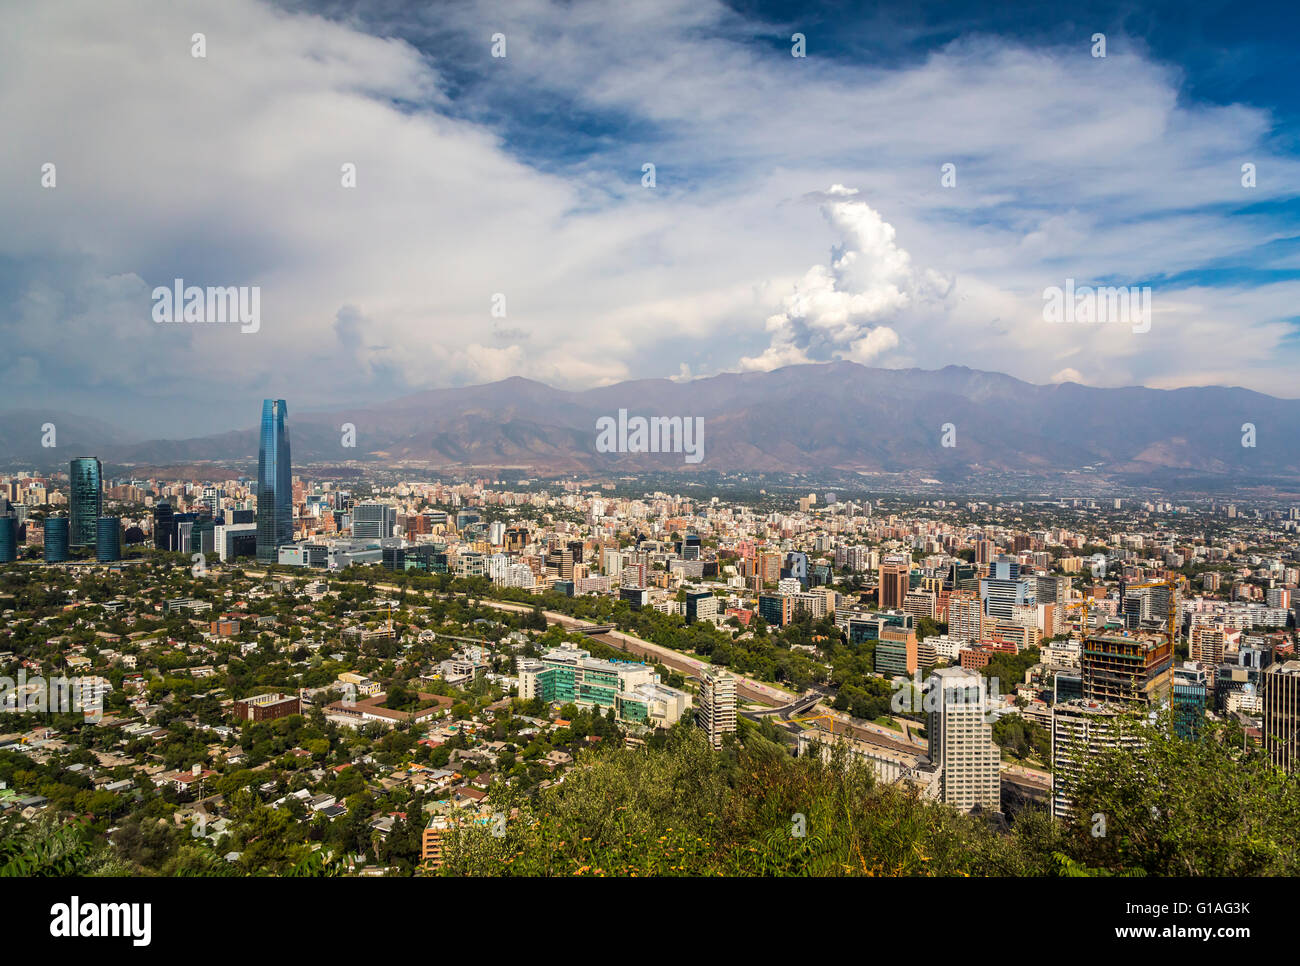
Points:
(291, 672)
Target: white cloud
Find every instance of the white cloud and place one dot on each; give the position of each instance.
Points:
(226, 171)
(837, 310)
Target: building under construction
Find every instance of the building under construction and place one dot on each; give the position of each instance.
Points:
(1127, 669)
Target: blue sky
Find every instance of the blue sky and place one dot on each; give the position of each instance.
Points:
(797, 215)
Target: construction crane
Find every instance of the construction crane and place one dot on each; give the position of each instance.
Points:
(381, 610)
(1083, 626)
(1173, 583)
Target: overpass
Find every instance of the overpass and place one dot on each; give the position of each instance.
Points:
(798, 706)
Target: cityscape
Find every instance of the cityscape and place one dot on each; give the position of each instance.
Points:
(430, 677)
(698, 439)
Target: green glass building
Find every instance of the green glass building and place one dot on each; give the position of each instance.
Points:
(85, 500)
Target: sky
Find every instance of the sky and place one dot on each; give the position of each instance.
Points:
(502, 221)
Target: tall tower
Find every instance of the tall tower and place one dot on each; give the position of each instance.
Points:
(1081, 730)
(1281, 693)
(894, 581)
(85, 500)
(961, 741)
(716, 711)
(274, 483)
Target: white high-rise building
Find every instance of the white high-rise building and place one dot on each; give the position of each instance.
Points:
(715, 711)
(1082, 730)
(961, 741)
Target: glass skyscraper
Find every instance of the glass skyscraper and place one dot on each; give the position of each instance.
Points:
(274, 483)
(8, 538)
(164, 526)
(108, 539)
(85, 500)
(56, 539)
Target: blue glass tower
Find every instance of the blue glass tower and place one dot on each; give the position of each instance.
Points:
(56, 539)
(274, 483)
(8, 538)
(108, 539)
(85, 500)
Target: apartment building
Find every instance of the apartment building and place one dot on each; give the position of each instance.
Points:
(961, 742)
(715, 711)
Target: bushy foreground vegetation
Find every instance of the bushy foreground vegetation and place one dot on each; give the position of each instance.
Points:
(1182, 808)
(680, 808)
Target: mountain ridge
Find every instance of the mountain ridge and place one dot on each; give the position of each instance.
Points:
(839, 416)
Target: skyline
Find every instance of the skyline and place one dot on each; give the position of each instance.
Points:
(779, 229)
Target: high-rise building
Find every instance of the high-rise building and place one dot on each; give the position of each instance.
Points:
(1206, 644)
(896, 652)
(85, 500)
(1004, 589)
(961, 741)
(164, 526)
(894, 580)
(108, 539)
(776, 609)
(1127, 669)
(700, 605)
(8, 537)
(964, 615)
(274, 483)
(1187, 699)
(715, 711)
(1281, 696)
(767, 567)
(1082, 730)
(56, 539)
(373, 521)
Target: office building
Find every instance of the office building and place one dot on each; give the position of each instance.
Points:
(961, 741)
(164, 526)
(1187, 699)
(894, 581)
(700, 605)
(8, 537)
(633, 690)
(776, 609)
(274, 483)
(56, 539)
(1281, 699)
(715, 712)
(373, 521)
(85, 500)
(896, 652)
(1003, 589)
(108, 539)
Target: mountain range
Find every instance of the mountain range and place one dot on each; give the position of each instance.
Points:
(833, 418)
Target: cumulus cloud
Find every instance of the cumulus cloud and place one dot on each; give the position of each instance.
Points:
(473, 188)
(838, 311)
